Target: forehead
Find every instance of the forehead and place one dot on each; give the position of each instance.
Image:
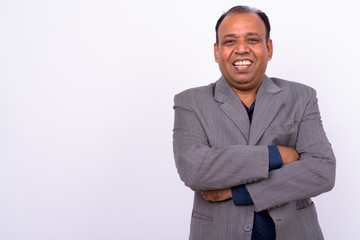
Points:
(242, 23)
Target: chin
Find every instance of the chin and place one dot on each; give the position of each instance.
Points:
(242, 81)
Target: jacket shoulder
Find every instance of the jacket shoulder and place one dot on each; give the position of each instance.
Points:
(195, 96)
(296, 89)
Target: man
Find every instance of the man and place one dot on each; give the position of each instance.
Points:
(251, 147)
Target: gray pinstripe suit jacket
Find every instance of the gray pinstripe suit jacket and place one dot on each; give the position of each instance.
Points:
(215, 147)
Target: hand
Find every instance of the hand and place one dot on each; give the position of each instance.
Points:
(288, 154)
(217, 195)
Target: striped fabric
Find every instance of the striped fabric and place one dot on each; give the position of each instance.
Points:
(215, 147)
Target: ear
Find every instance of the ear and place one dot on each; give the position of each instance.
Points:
(269, 49)
(216, 48)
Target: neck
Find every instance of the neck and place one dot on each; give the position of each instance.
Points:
(247, 97)
(247, 100)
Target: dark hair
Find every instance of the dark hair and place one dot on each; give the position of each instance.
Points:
(244, 9)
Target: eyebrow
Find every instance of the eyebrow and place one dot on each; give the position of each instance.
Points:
(233, 35)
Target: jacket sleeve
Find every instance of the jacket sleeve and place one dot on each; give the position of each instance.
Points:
(312, 175)
(240, 195)
(202, 167)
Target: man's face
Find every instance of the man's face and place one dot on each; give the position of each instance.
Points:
(243, 52)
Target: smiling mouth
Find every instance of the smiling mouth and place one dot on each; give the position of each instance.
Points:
(243, 63)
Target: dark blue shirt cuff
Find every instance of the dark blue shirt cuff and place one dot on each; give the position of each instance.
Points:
(241, 195)
(275, 160)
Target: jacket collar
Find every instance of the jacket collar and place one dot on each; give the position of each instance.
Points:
(223, 90)
(266, 107)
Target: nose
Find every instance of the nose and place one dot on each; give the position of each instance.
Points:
(242, 47)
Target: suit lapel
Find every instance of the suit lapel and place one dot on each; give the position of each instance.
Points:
(232, 107)
(266, 107)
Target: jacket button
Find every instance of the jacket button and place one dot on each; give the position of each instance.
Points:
(247, 227)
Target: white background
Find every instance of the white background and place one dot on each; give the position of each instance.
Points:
(86, 95)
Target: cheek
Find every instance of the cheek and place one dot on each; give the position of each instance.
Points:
(262, 57)
(225, 53)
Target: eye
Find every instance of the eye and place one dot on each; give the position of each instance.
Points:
(229, 42)
(253, 40)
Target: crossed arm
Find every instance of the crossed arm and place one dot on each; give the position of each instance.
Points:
(204, 169)
(288, 155)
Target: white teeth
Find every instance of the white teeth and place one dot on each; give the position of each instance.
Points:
(242, 63)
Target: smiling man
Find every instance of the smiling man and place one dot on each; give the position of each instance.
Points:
(251, 147)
